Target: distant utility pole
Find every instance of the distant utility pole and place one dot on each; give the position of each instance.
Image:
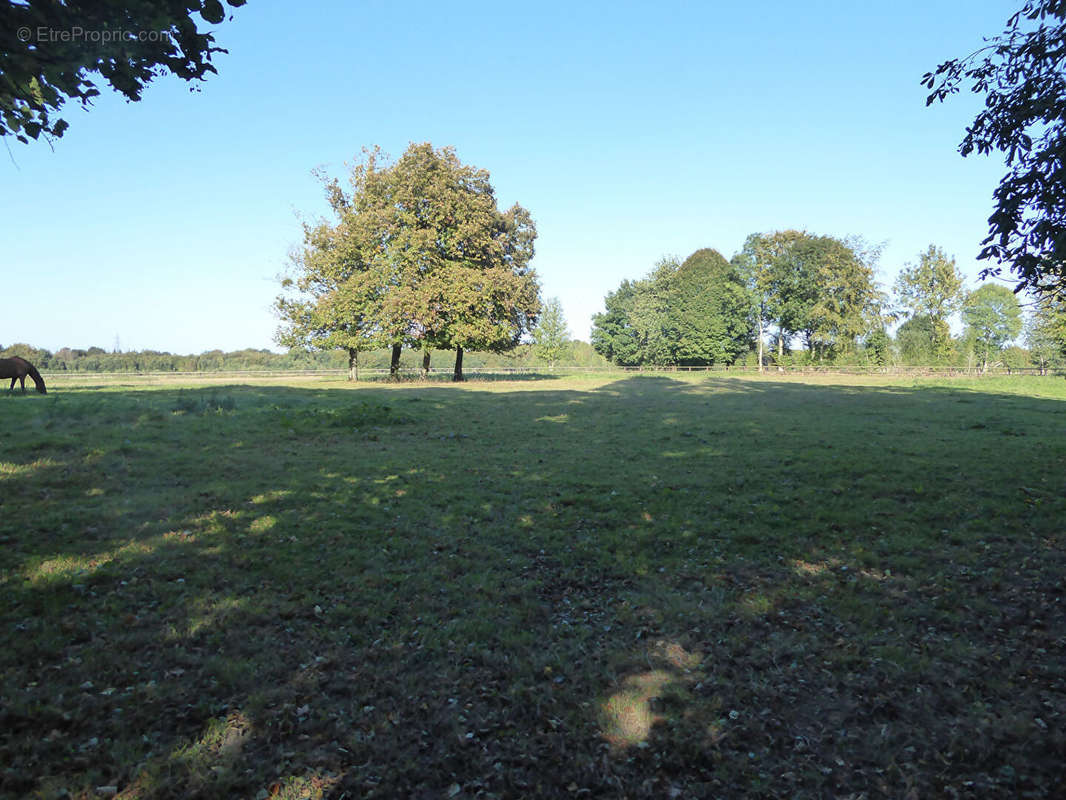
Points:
(118, 345)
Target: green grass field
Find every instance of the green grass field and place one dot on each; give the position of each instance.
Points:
(669, 587)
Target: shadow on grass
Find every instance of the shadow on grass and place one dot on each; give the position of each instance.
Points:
(659, 587)
(445, 376)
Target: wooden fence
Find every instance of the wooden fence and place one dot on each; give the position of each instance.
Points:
(378, 373)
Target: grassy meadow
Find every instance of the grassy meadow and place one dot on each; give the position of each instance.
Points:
(600, 586)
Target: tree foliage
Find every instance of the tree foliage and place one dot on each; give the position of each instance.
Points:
(613, 335)
(819, 287)
(1045, 333)
(329, 303)
(551, 337)
(993, 317)
(933, 289)
(916, 338)
(634, 328)
(708, 307)
(780, 286)
(1022, 75)
(97, 359)
(711, 311)
(418, 254)
(49, 52)
(847, 303)
(692, 313)
(649, 314)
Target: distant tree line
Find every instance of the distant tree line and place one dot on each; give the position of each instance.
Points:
(573, 353)
(97, 359)
(796, 298)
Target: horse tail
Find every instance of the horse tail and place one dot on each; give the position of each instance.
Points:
(37, 379)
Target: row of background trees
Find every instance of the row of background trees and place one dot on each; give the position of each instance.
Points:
(570, 353)
(792, 297)
(417, 255)
(787, 298)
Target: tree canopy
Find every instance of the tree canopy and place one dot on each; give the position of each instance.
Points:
(613, 334)
(916, 338)
(1022, 75)
(819, 287)
(551, 337)
(692, 313)
(844, 301)
(1045, 332)
(933, 289)
(418, 254)
(781, 285)
(993, 317)
(708, 311)
(327, 304)
(50, 50)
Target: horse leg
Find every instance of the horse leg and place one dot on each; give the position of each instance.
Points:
(22, 383)
(11, 388)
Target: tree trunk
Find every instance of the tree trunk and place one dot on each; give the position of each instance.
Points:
(780, 345)
(394, 366)
(353, 364)
(760, 343)
(458, 376)
(425, 363)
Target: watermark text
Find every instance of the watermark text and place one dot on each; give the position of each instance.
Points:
(45, 35)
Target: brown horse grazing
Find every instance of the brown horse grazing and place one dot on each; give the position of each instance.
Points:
(17, 369)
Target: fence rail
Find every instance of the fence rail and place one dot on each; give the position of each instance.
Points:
(901, 371)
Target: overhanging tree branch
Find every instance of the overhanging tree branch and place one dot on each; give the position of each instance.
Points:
(49, 51)
(1022, 74)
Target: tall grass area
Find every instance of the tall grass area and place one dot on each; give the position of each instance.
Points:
(602, 586)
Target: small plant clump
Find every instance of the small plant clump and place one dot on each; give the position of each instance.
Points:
(199, 403)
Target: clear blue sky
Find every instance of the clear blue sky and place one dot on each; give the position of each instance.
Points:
(630, 131)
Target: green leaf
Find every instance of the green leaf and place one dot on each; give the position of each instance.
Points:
(213, 12)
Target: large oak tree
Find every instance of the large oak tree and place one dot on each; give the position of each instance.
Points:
(417, 254)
